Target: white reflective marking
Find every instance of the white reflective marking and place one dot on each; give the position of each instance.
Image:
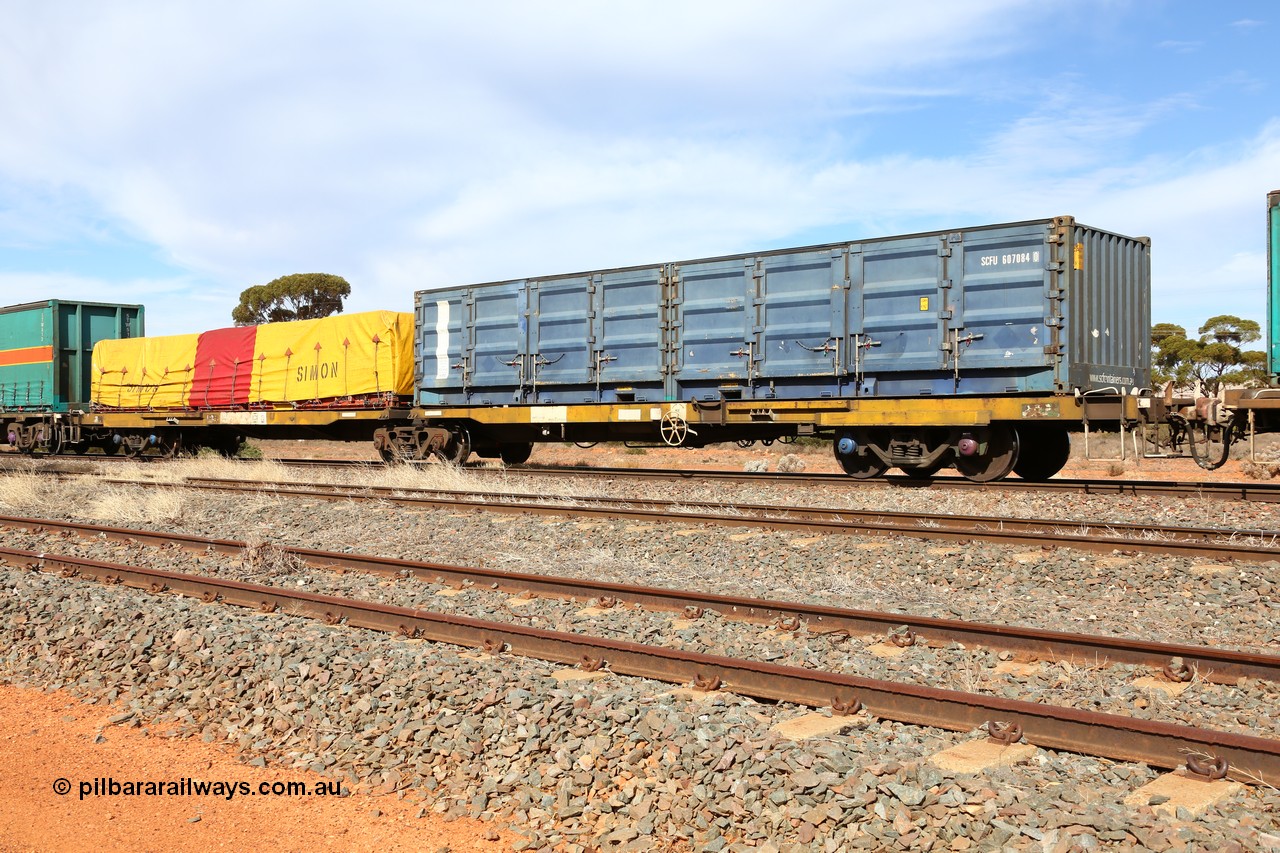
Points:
(548, 414)
(442, 339)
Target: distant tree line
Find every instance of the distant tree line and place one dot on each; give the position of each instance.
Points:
(1215, 359)
(301, 296)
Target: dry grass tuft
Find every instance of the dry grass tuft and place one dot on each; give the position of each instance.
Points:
(443, 477)
(22, 491)
(263, 470)
(118, 504)
(213, 467)
(265, 558)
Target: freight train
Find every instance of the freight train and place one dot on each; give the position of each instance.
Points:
(981, 349)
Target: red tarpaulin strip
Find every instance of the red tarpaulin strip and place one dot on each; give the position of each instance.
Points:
(224, 368)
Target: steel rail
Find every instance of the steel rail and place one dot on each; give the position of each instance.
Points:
(1212, 543)
(1240, 491)
(1219, 666)
(1111, 736)
(1261, 492)
(754, 511)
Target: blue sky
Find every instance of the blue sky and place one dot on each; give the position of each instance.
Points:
(175, 153)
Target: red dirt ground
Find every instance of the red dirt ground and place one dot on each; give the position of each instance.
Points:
(49, 736)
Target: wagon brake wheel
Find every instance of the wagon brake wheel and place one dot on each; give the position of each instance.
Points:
(674, 429)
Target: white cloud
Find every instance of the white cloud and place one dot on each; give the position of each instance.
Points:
(233, 132)
(406, 145)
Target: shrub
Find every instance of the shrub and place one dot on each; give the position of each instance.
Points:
(249, 451)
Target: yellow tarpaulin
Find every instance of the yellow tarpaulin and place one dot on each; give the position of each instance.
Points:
(151, 373)
(334, 359)
(350, 355)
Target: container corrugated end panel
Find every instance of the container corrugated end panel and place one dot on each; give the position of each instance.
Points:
(1108, 306)
(144, 373)
(363, 359)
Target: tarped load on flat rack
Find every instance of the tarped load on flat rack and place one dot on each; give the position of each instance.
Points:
(362, 359)
(144, 373)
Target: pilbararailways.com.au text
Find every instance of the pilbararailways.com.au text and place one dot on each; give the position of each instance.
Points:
(110, 787)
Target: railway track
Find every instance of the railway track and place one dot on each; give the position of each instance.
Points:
(1259, 492)
(1195, 542)
(1216, 665)
(1241, 491)
(1113, 736)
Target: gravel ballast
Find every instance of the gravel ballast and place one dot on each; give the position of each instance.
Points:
(619, 763)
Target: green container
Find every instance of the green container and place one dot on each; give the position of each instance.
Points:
(46, 351)
(1273, 290)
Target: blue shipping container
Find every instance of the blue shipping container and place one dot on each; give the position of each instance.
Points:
(1047, 306)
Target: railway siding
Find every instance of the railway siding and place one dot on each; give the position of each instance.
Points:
(1098, 685)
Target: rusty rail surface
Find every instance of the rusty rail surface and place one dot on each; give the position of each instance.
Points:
(1112, 736)
(1262, 492)
(1220, 666)
(1198, 542)
(1238, 491)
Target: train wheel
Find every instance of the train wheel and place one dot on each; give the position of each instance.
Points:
(227, 446)
(515, 454)
(1042, 453)
(458, 449)
(866, 467)
(862, 466)
(389, 450)
(54, 447)
(109, 447)
(1001, 453)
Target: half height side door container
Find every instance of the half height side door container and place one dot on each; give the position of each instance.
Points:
(564, 339)
(46, 350)
(1046, 306)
